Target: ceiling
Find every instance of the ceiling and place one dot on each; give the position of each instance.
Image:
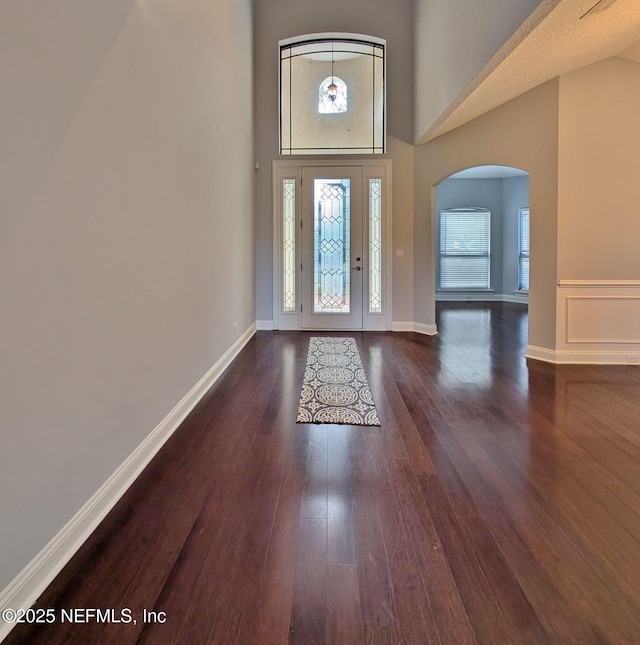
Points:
(554, 40)
(631, 53)
(489, 172)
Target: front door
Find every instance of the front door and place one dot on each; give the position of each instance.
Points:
(332, 249)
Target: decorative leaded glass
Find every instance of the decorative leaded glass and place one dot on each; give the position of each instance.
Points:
(288, 245)
(375, 246)
(332, 242)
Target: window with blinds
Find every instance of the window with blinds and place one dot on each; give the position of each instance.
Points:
(465, 243)
(524, 245)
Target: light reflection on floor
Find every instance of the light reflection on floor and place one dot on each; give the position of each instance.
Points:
(473, 351)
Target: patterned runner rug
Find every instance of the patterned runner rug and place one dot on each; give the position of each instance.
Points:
(335, 387)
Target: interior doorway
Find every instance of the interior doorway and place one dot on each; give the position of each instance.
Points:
(481, 235)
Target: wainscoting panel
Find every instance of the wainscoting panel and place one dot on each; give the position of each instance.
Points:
(602, 319)
(598, 319)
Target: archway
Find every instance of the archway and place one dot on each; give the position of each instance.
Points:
(480, 235)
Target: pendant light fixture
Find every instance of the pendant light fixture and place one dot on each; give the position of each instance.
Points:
(332, 88)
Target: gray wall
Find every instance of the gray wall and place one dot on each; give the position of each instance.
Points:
(454, 40)
(516, 196)
(275, 20)
(126, 239)
(522, 133)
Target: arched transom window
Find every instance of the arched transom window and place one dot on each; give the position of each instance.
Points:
(332, 96)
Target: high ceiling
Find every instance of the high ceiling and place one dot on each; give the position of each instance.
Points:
(554, 40)
(631, 53)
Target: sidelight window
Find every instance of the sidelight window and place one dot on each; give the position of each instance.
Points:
(288, 245)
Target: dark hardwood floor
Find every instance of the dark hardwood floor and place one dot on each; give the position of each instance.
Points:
(498, 503)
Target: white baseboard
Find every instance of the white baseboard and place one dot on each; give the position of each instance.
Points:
(423, 328)
(419, 328)
(515, 298)
(29, 584)
(571, 357)
(481, 297)
(540, 354)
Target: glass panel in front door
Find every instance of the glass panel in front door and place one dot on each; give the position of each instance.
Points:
(331, 244)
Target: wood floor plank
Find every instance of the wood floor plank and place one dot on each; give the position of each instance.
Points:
(309, 607)
(401, 433)
(428, 604)
(566, 455)
(376, 591)
(315, 500)
(213, 562)
(558, 548)
(560, 621)
(565, 551)
(341, 547)
(277, 584)
(344, 620)
(139, 519)
(498, 502)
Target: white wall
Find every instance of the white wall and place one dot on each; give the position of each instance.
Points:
(126, 251)
(392, 20)
(454, 39)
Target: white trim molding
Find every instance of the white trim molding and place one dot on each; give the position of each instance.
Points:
(588, 312)
(568, 357)
(606, 284)
(264, 325)
(481, 296)
(418, 328)
(521, 299)
(424, 328)
(540, 354)
(29, 584)
(598, 321)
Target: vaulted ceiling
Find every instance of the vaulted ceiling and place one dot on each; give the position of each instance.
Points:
(557, 38)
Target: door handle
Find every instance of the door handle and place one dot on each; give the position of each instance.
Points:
(357, 268)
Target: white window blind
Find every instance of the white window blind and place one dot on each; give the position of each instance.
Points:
(524, 237)
(465, 242)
